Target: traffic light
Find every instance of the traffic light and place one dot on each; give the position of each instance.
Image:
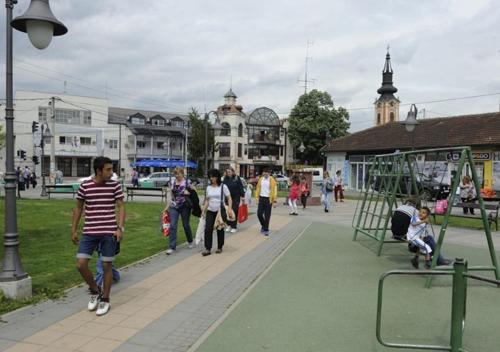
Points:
(22, 154)
(34, 126)
(35, 160)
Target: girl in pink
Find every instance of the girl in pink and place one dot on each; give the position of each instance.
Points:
(293, 195)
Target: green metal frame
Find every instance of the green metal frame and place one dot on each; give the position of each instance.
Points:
(376, 206)
(458, 305)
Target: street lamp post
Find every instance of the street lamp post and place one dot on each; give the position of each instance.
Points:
(216, 128)
(45, 133)
(411, 122)
(40, 24)
(302, 148)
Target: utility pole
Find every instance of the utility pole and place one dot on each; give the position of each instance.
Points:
(186, 148)
(120, 150)
(53, 141)
(306, 80)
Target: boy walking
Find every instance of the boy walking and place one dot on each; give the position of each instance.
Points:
(101, 196)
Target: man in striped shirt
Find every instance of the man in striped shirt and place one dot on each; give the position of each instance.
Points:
(100, 196)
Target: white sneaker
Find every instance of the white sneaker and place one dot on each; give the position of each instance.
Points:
(94, 301)
(228, 228)
(233, 230)
(190, 245)
(170, 251)
(103, 308)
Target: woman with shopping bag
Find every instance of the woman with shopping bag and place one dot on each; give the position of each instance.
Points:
(215, 211)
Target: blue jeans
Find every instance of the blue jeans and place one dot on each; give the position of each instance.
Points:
(99, 272)
(183, 212)
(327, 200)
(432, 243)
(106, 245)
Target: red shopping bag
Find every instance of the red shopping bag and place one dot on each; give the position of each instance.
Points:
(165, 223)
(242, 213)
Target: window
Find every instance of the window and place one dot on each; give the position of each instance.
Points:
(141, 144)
(158, 122)
(83, 167)
(85, 141)
(240, 130)
(240, 150)
(87, 118)
(226, 129)
(42, 113)
(62, 140)
(65, 165)
(137, 121)
(177, 123)
(246, 149)
(392, 117)
(159, 145)
(113, 144)
(224, 149)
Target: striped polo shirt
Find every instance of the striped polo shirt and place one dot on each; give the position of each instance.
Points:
(100, 199)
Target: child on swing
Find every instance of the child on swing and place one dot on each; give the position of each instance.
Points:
(416, 233)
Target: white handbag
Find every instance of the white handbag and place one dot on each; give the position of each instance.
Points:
(200, 231)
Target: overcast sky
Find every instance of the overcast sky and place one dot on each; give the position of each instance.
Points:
(171, 55)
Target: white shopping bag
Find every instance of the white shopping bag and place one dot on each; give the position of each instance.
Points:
(200, 231)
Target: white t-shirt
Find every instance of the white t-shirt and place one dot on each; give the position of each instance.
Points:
(265, 187)
(418, 231)
(214, 196)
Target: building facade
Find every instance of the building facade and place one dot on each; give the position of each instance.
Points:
(250, 142)
(77, 129)
(353, 154)
(145, 134)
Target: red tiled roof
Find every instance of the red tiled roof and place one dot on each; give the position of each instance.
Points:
(466, 130)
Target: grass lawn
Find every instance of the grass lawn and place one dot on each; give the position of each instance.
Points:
(473, 223)
(48, 254)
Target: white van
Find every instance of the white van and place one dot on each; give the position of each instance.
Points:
(317, 173)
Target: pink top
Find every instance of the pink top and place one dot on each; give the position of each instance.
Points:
(294, 191)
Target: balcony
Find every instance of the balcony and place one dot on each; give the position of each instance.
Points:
(265, 159)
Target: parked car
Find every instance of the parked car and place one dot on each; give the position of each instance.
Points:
(114, 178)
(281, 178)
(156, 180)
(430, 188)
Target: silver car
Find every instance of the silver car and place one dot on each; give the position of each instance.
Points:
(156, 179)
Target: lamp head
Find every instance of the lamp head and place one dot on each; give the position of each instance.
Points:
(302, 147)
(217, 127)
(411, 119)
(40, 24)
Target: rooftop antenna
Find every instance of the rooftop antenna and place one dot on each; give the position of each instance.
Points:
(65, 86)
(305, 81)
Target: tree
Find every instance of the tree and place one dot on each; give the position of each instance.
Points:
(196, 143)
(313, 118)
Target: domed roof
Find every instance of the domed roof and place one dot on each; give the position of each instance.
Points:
(263, 117)
(230, 94)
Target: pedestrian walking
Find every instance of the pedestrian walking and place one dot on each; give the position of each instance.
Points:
(59, 177)
(293, 195)
(26, 176)
(20, 181)
(215, 212)
(237, 191)
(337, 190)
(180, 206)
(304, 191)
(33, 179)
(100, 196)
(266, 193)
(468, 193)
(327, 187)
(135, 178)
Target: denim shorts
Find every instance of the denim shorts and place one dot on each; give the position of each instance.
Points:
(106, 245)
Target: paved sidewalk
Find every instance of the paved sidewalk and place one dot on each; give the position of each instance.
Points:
(170, 303)
(164, 304)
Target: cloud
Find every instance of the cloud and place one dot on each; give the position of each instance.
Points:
(171, 55)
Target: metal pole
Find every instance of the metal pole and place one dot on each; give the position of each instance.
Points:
(458, 304)
(42, 162)
(284, 161)
(53, 139)
(186, 149)
(12, 269)
(205, 172)
(119, 151)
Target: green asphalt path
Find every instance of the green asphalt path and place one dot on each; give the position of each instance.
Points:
(321, 296)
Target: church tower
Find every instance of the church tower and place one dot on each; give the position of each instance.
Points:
(387, 105)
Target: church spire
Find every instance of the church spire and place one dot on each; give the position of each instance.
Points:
(387, 89)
